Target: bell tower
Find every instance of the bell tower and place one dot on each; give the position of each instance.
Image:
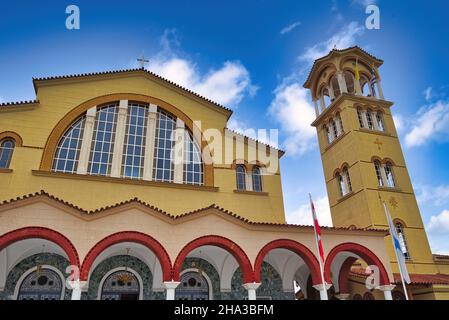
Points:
(361, 153)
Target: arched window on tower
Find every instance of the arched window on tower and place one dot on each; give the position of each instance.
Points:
(369, 119)
(379, 121)
(257, 179)
(389, 175)
(335, 86)
(364, 85)
(328, 134)
(402, 240)
(6, 150)
(378, 169)
(333, 128)
(326, 97)
(349, 79)
(241, 177)
(347, 179)
(360, 116)
(339, 123)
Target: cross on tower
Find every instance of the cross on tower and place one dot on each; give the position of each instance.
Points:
(378, 142)
(142, 61)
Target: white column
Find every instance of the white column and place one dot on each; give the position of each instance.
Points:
(77, 287)
(150, 140)
(83, 161)
(3, 268)
(379, 90)
(343, 296)
(387, 291)
(170, 287)
(120, 133)
(249, 181)
(178, 155)
(317, 111)
(323, 290)
(342, 82)
(331, 92)
(358, 88)
(251, 288)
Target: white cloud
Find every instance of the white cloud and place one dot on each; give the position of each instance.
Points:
(346, 37)
(303, 214)
(437, 195)
(399, 122)
(227, 85)
(290, 27)
(428, 93)
(440, 223)
(432, 124)
(291, 109)
(1, 99)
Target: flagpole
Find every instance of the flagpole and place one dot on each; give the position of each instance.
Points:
(396, 254)
(323, 281)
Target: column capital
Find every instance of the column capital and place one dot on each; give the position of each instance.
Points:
(123, 104)
(180, 124)
(77, 284)
(342, 296)
(171, 285)
(251, 286)
(388, 287)
(91, 112)
(153, 108)
(320, 286)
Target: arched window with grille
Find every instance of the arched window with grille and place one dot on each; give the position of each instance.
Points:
(380, 121)
(369, 119)
(402, 240)
(241, 177)
(6, 150)
(389, 175)
(67, 152)
(328, 134)
(347, 179)
(100, 160)
(333, 127)
(378, 168)
(339, 122)
(257, 179)
(341, 184)
(138, 158)
(193, 164)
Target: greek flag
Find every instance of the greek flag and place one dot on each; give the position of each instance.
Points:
(397, 247)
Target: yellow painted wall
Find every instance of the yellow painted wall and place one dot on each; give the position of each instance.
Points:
(57, 98)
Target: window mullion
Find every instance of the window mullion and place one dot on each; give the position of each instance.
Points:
(150, 143)
(119, 139)
(178, 154)
(86, 144)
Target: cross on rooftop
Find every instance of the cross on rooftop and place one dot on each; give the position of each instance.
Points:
(142, 61)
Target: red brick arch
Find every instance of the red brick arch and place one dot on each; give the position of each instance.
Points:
(42, 233)
(218, 241)
(128, 236)
(364, 253)
(296, 247)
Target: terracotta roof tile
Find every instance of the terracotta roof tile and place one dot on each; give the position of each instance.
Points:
(35, 80)
(43, 193)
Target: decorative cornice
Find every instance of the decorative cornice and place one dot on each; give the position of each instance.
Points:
(175, 218)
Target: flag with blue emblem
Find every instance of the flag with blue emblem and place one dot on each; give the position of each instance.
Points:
(397, 248)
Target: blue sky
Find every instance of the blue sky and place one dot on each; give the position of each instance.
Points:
(254, 56)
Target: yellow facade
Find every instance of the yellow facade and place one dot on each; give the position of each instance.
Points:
(357, 148)
(56, 98)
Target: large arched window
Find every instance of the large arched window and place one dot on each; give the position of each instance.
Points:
(163, 155)
(402, 241)
(193, 165)
(241, 177)
(257, 179)
(6, 150)
(42, 284)
(100, 159)
(67, 153)
(144, 145)
(134, 146)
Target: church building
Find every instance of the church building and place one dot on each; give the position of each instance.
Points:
(123, 185)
